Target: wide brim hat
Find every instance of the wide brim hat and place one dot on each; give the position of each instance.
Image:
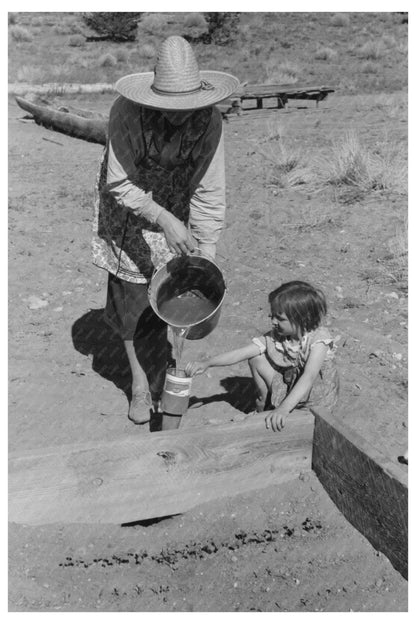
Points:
(177, 83)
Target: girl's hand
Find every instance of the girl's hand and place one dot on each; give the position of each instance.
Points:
(195, 368)
(276, 419)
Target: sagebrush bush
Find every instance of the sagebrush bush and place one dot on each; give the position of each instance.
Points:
(76, 41)
(122, 55)
(116, 26)
(147, 50)
(340, 19)
(195, 20)
(18, 33)
(29, 74)
(153, 24)
(107, 60)
(12, 19)
(352, 164)
(368, 67)
(371, 50)
(222, 27)
(325, 54)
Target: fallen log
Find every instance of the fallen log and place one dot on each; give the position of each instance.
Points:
(153, 475)
(85, 127)
(369, 489)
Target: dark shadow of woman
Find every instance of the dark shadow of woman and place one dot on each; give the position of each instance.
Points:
(91, 335)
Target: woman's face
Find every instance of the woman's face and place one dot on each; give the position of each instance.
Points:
(177, 118)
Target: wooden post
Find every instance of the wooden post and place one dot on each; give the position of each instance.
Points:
(152, 475)
(369, 489)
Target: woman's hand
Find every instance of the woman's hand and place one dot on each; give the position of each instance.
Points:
(195, 368)
(178, 237)
(276, 419)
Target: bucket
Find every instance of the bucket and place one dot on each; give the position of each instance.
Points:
(175, 397)
(188, 292)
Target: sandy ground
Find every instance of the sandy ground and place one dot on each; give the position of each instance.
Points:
(277, 549)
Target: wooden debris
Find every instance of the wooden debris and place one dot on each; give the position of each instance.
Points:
(369, 489)
(153, 475)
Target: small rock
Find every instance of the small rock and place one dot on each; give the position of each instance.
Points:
(398, 356)
(34, 303)
(58, 309)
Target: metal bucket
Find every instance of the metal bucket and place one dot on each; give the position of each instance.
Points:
(188, 292)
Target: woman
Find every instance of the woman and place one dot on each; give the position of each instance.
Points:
(160, 192)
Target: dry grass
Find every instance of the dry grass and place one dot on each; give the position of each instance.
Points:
(350, 163)
(372, 50)
(31, 75)
(272, 47)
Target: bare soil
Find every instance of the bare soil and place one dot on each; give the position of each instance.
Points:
(277, 549)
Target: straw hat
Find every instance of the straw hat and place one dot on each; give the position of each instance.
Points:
(177, 83)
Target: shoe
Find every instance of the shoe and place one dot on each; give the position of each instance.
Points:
(140, 406)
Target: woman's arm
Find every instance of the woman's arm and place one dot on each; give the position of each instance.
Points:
(125, 148)
(276, 419)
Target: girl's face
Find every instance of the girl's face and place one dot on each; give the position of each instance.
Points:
(281, 324)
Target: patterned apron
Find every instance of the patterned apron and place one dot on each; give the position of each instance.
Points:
(128, 245)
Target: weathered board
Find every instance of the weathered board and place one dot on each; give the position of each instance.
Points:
(282, 93)
(153, 475)
(369, 489)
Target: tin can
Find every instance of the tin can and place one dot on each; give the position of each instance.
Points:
(176, 392)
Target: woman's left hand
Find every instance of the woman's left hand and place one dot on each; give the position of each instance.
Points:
(276, 419)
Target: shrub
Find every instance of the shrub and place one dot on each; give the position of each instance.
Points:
(107, 60)
(153, 24)
(122, 55)
(350, 163)
(119, 26)
(222, 27)
(195, 20)
(368, 67)
(30, 74)
(12, 19)
(371, 50)
(19, 33)
(325, 54)
(340, 19)
(76, 41)
(147, 50)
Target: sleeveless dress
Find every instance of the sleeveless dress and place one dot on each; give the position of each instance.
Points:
(289, 358)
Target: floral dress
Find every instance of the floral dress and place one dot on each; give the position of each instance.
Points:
(289, 358)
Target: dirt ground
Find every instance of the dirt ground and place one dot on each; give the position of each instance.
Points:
(277, 549)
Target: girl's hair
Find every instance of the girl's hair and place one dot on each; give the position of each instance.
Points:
(303, 304)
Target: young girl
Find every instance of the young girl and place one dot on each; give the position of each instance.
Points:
(293, 364)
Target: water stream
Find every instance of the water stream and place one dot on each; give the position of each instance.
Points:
(178, 342)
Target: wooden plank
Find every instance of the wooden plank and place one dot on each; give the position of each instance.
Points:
(264, 91)
(152, 475)
(369, 489)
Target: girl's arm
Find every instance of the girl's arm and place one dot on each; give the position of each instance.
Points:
(223, 359)
(276, 419)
